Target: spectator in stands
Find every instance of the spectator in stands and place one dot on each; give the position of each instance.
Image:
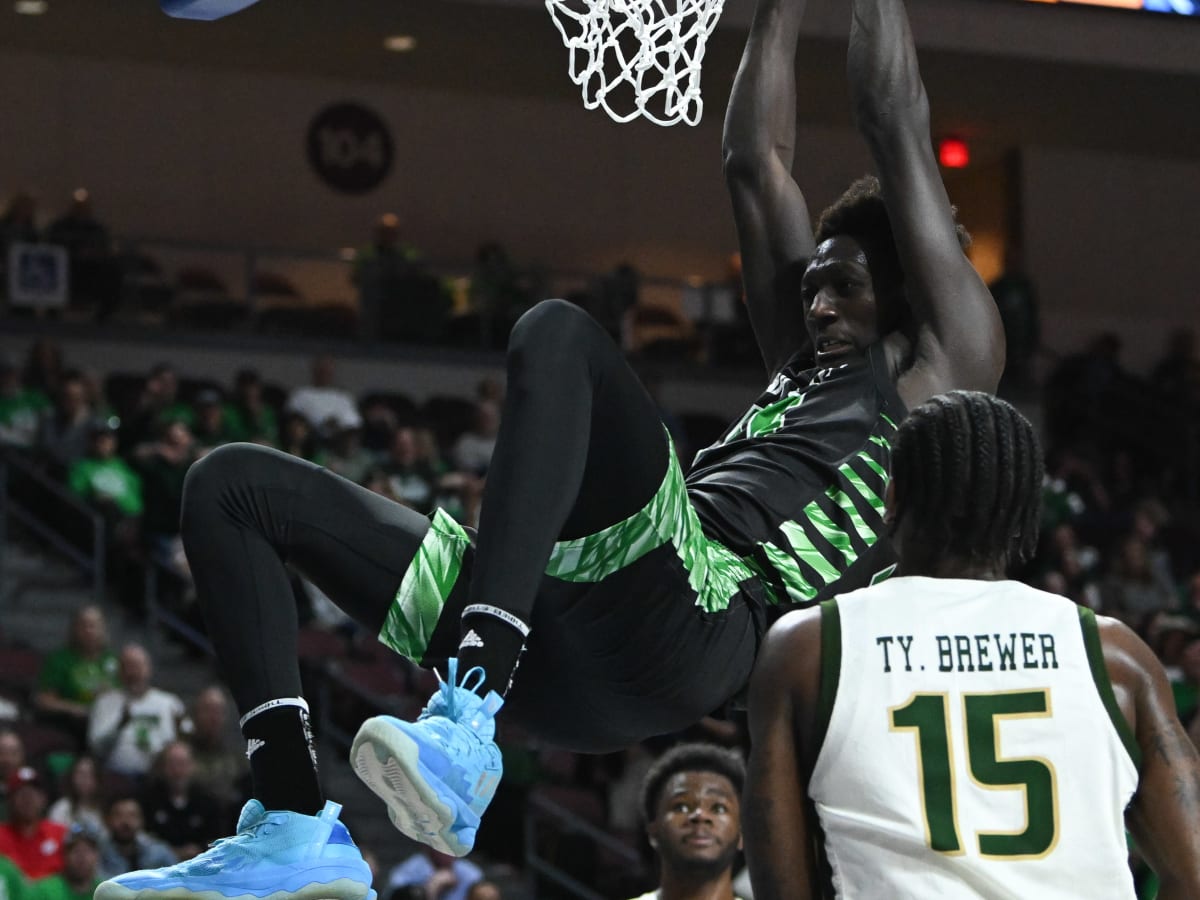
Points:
(321, 402)
(458, 492)
(248, 417)
(74, 675)
(21, 408)
(13, 885)
(498, 294)
(484, 890)
(81, 801)
(412, 481)
(127, 847)
(297, 437)
(690, 801)
(81, 865)
(12, 758)
(1177, 375)
(221, 767)
(1077, 563)
(18, 222)
(93, 386)
(440, 875)
(385, 271)
(156, 406)
(163, 466)
(95, 271)
(1185, 682)
(106, 480)
(211, 429)
(1135, 589)
(44, 369)
(27, 837)
(17, 225)
(1016, 301)
(347, 456)
(472, 451)
(130, 725)
(179, 810)
(379, 424)
(64, 430)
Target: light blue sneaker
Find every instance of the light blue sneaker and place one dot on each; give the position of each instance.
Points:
(276, 855)
(438, 774)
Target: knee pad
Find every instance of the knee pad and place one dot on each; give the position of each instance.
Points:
(203, 10)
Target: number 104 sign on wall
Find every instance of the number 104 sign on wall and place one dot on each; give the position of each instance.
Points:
(350, 148)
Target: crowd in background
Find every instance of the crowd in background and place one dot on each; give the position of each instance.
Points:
(146, 775)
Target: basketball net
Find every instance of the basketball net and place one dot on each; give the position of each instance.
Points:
(638, 57)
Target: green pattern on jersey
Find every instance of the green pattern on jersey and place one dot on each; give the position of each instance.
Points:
(425, 587)
(714, 571)
(816, 522)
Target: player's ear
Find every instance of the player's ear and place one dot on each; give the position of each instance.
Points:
(652, 834)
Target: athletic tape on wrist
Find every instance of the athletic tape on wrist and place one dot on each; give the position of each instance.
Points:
(501, 614)
(271, 704)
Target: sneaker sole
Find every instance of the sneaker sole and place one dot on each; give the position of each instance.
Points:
(342, 889)
(388, 762)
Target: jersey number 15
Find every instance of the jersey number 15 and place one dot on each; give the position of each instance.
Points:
(928, 716)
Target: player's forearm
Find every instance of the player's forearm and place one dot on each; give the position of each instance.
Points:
(885, 81)
(761, 118)
(1179, 888)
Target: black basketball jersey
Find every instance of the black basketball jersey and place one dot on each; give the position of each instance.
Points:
(796, 486)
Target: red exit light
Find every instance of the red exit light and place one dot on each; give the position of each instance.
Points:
(953, 153)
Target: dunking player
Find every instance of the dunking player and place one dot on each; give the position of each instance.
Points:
(957, 734)
(634, 600)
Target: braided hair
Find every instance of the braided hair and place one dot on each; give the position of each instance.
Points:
(967, 470)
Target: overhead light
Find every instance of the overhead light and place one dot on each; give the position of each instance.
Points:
(400, 43)
(31, 7)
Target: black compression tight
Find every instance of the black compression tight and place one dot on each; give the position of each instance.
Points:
(581, 447)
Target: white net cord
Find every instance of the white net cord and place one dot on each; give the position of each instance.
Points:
(638, 57)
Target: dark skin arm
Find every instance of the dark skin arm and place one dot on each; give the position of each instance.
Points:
(958, 341)
(783, 694)
(774, 230)
(1164, 817)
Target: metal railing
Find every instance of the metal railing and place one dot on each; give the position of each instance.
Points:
(90, 562)
(157, 615)
(541, 808)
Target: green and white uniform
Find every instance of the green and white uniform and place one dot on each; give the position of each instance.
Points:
(972, 745)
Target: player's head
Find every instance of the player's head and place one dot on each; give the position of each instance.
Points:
(966, 485)
(853, 287)
(691, 806)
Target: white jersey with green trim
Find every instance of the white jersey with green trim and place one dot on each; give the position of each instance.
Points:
(972, 746)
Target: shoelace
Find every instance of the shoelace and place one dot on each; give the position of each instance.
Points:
(234, 842)
(450, 689)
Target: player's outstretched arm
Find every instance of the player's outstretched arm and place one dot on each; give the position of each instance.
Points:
(1164, 817)
(959, 342)
(782, 702)
(774, 230)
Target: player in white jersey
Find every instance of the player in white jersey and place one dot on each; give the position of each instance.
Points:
(951, 734)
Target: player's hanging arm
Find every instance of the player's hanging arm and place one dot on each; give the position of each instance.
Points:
(957, 338)
(782, 707)
(775, 232)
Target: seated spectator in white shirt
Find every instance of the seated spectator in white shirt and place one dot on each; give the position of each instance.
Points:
(130, 725)
(321, 401)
